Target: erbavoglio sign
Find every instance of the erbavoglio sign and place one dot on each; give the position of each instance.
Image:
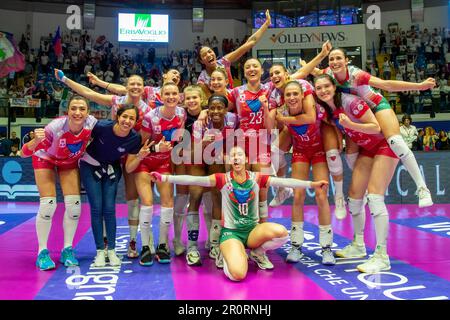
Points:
(142, 27)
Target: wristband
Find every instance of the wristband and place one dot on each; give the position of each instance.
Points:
(63, 79)
(107, 86)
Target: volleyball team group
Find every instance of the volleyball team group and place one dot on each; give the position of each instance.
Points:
(149, 124)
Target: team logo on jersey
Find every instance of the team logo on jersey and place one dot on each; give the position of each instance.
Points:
(254, 105)
(242, 198)
(168, 133)
(120, 149)
(75, 147)
(62, 143)
(157, 129)
(300, 130)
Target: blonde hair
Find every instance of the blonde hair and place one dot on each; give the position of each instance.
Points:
(196, 88)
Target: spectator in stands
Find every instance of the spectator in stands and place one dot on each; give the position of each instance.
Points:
(215, 45)
(382, 36)
(387, 69)
(409, 132)
(435, 101)
(5, 145)
(429, 140)
(15, 140)
(420, 140)
(442, 143)
(3, 90)
(418, 107)
(15, 152)
(42, 94)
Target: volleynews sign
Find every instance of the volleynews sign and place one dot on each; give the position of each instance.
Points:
(313, 37)
(141, 27)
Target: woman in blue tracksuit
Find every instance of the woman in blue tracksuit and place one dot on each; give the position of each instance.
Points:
(100, 173)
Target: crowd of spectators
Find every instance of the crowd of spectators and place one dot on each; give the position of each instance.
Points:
(423, 139)
(415, 55)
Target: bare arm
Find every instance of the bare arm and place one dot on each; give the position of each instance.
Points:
(101, 99)
(111, 87)
(369, 123)
(310, 67)
(309, 117)
(396, 86)
(251, 42)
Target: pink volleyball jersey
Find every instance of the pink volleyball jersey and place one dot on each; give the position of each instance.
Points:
(61, 146)
(354, 107)
(276, 98)
(357, 83)
(119, 101)
(248, 107)
(230, 122)
(158, 126)
(307, 135)
(205, 78)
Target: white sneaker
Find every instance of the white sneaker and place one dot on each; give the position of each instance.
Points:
(328, 258)
(378, 262)
(214, 251)
(294, 255)
(261, 260)
(114, 260)
(353, 250)
(424, 197)
(100, 259)
(179, 248)
(340, 210)
(193, 258)
(219, 260)
(281, 196)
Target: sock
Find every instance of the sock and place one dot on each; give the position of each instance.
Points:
(263, 210)
(325, 235)
(207, 210)
(381, 218)
(214, 232)
(297, 234)
(145, 222)
(181, 203)
(339, 188)
(356, 209)
(71, 217)
(133, 218)
(193, 220)
(166, 219)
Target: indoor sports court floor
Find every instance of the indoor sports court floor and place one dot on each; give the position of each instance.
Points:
(419, 242)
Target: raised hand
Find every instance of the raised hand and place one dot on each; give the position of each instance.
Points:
(344, 120)
(264, 101)
(59, 75)
(322, 184)
(93, 79)
(164, 146)
(430, 83)
(145, 150)
(326, 48)
(268, 18)
(39, 135)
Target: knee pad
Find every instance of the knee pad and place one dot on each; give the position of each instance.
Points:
(355, 206)
(166, 216)
(275, 243)
(377, 206)
(399, 146)
(73, 206)
(263, 210)
(181, 204)
(334, 162)
(47, 207)
(351, 158)
(146, 216)
(133, 209)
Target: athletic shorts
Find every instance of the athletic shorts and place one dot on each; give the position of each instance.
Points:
(383, 105)
(311, 155)
(40, 163)
(159, 163)
(381, 149)
(241, 235)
